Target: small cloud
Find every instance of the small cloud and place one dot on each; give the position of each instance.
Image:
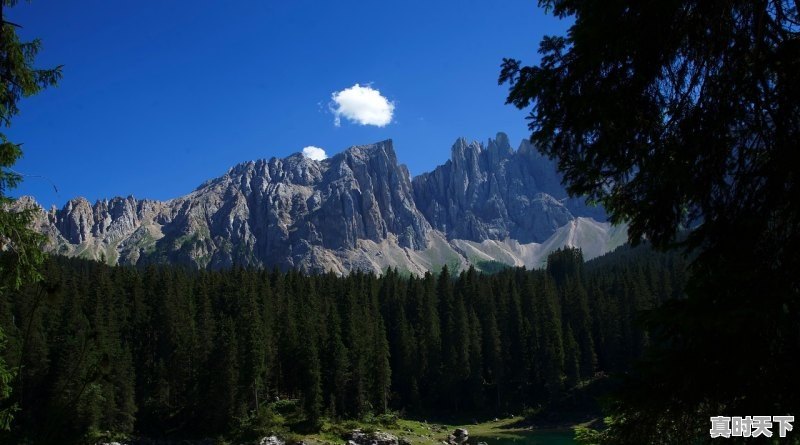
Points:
(362, 105)
(314, 153)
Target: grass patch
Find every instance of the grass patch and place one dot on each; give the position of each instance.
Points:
(418, 432)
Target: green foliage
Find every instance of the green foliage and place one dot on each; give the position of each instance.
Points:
(681, 115)
(95, 436)
(587, 436)
(6, 376)
(386, 420)
(285, 407)
(342, 429)
(264, 422)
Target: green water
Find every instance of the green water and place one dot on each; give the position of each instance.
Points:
(532, 438)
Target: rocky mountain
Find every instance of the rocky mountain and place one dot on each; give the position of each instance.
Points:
(359, 209)
(496, 193)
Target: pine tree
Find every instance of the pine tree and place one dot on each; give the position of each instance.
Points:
(514, 345)
(430, 337)
(73, 373)
(571, 358)
(335, 368)
(493, 353)
(222, 406)
(252, 347)
(310, 379)
(402, 348)
(551, 353)
(381, 372)
(356, 338)
(358, 344)
(475, 365)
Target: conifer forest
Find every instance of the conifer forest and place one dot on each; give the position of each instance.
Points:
(165, 351)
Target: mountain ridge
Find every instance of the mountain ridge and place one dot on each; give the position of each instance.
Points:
(357, 210)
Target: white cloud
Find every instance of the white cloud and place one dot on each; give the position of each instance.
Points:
(314, 153)
(362, 105)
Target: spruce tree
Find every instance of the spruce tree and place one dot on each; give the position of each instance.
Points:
(474, 384)
(223, 396)
(571, 358)
(550, 335)
(252, 346)
(381, 372)
(310, 381)
(335, 366)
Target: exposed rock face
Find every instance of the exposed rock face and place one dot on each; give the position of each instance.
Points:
(108, 220)
(356, 210)
(294, 212)
(358, 437)
(496, 193)
(368, 195)
(271, 440)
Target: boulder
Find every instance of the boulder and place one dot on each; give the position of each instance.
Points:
(359, 437)
(458, 437)
(271, 440)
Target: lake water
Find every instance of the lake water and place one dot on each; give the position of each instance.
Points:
(532, 438)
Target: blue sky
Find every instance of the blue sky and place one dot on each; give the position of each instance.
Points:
(158, 96)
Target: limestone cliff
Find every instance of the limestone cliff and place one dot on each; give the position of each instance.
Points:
(359, 209)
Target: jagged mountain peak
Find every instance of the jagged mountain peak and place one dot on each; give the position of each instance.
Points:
(302, 170)
(494, 153)
(358, 209)
(496, 193)
(384, 149)
(499, 149)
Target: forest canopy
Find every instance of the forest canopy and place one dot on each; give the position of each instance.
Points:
(167, 352)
